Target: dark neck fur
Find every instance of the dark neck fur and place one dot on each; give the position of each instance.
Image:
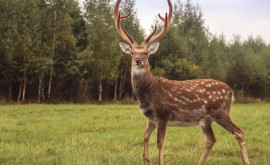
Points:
(142, 83)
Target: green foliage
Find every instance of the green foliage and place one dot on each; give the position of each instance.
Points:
(250, 65)
(79, 46)
(113, 134)
(184, 46)
(217, 60)
(101, 37)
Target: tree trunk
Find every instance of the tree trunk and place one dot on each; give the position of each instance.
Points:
(100, 90)
(120, 86)
(50, 82)
(115, 90)
(20, 92)
(52, 56)
(42, 91)
(10, 92)
(106, 96)
(85, 89)
(24, 87)
(122, 83)
(39, 89)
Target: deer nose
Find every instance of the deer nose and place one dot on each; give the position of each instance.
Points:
(138, 60)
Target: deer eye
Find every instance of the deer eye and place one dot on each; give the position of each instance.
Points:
(132, 53)
(145, 53)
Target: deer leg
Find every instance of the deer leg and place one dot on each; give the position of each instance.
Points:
(226, 122)
(161, 130)
(209, 138)
(148, 131)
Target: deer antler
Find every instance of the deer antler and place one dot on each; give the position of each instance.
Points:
(166, 20)
(124, 34)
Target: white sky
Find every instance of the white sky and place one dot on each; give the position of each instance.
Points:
(243, 17)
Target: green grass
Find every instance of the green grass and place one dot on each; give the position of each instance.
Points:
(113, 134)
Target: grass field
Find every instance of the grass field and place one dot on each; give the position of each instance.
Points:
(113, 134)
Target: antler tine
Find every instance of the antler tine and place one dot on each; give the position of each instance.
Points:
(151, 35)
(170, 12)
(162, 19)
(166, 20)
(125, 16)
(160, 33)
(129, 37)
(117, 18)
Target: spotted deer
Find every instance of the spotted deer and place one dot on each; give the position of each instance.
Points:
(176, 103)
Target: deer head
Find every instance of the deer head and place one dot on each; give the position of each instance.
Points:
(140, 52)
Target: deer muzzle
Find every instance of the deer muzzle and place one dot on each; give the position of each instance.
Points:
(138, 61)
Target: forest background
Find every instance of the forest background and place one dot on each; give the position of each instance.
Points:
(58, 51)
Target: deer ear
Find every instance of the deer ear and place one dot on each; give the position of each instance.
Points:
(153, 48)
(125, 48)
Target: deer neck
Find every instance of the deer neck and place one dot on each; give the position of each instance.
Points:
(142, 80)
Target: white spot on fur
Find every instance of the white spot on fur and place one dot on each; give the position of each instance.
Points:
(202, 82)
(201, 90)
(223, 90)
(183, 97)
(171, 104)
(201, 109)
(180, 101)
(208, 93)
(169, 93)
(210, 97)
(214, 92)
(219, 92)
(221, 97)
(205, 101)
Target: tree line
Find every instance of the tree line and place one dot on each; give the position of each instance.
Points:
(55, 50)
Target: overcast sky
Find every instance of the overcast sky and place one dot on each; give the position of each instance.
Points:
(243, 17)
